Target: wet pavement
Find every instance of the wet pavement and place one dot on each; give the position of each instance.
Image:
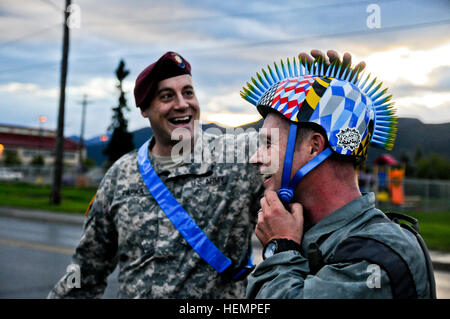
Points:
(34, 254)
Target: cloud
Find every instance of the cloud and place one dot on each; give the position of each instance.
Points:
(28, 89)
(411, 66)
(230, 119)
(96, 88)
(426, 103)
(226, 42)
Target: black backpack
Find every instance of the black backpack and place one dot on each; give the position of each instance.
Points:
(357, 248)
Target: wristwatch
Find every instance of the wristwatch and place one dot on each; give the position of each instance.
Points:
(278, 245)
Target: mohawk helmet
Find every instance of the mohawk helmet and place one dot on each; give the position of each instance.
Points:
(352, 112)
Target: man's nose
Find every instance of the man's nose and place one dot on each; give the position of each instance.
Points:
(255, 158)
(181, 103)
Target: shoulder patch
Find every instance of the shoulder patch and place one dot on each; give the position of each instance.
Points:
(90, 205)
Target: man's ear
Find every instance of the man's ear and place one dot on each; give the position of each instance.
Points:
(317, 143)
(145, 113)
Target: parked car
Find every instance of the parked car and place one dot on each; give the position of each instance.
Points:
(7, 174)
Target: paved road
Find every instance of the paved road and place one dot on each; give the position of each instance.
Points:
(34, 256)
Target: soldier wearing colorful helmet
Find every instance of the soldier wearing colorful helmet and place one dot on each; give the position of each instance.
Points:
(320, 235)
(351, 114)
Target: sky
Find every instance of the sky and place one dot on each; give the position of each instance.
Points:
(405, 44)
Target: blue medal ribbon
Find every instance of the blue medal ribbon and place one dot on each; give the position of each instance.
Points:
(182, 221)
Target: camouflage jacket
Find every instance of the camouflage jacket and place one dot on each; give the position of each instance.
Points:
(288, 274)
(125, 226)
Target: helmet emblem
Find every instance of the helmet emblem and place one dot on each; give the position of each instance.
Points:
(348, 138)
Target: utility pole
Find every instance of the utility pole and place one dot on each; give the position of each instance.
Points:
(55, 197)
(84, 103)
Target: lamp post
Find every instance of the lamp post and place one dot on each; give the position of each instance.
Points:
(42, 120)
(84, 103)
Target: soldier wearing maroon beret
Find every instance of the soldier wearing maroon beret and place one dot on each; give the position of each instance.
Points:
(127, 226)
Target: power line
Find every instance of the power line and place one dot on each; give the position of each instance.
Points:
(30, 35)
(210, 49)
(241, 14)
(53, 5)
(35, 33)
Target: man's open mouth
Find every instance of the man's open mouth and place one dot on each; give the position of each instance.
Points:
(180, 120)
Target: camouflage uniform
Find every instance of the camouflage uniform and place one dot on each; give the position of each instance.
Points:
(126, 226)
(291, 270)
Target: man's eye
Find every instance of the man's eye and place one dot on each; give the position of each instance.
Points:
(166, 96)
(264, 141)
(188, 93)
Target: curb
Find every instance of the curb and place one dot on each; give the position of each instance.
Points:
(440, 260)
(39, 215)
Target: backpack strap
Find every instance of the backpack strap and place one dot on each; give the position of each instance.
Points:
(347, 254)
(413, 227)
(358, 248)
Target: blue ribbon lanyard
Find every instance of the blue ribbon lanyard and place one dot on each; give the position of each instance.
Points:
(288, 186)
(182, 221)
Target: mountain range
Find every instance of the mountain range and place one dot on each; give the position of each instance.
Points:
(412, 135)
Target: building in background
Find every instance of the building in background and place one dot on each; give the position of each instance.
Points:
(30, 142)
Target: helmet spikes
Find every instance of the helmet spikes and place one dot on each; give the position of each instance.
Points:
(289, 67)
(345, 73)
(278, 72)
(331, 69)
(254, 90)
(354, 76)
(261, 88)
(274, 78)
(284, 70)
(295, 67)
(267, 78)
(385, 118)
(261, 80)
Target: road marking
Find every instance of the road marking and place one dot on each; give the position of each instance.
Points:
(26, 244)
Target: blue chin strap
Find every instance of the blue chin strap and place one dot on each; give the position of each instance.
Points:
(288, 186)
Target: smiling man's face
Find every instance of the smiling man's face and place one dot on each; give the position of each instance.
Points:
(269, 158)
(271, 151)
(173, 106)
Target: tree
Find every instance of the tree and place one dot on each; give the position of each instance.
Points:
(37, 160)
(11, 158)
(433, 166)
(121, 141)
(410, 169)
(418, 156)
(89, 162)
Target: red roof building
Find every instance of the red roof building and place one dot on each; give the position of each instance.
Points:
(29, 142)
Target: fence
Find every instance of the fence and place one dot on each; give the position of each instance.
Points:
(419, 194)
(43, 175)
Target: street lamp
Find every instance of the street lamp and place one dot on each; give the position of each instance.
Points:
(42, 120)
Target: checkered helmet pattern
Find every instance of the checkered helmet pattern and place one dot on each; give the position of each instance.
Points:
(353, 115)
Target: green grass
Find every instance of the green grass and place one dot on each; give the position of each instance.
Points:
(21, 195)
(434, 228)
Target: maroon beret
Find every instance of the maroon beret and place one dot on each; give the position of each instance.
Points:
(169, 65)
